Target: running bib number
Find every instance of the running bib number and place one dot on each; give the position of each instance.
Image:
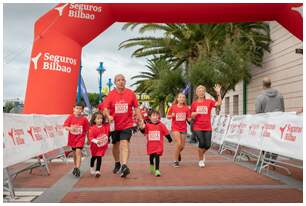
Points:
(202, 110)
(76, 129)
(121, 108)
(103, 140)
(154, 135)
(180, 116)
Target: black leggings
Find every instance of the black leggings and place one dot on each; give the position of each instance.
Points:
(99, 161)
(156, 157)
(204, 138)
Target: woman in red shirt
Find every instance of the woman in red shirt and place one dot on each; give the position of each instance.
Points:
(200, 112)
(180, 114)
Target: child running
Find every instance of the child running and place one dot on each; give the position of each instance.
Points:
(154, 131)
(99, 139)
(180, 114)
(78, 126)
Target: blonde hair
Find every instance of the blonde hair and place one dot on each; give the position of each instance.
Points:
(198, 87)
(176, 97)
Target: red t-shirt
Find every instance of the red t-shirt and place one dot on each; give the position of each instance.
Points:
(100, 133)
(179, 119)
(202, 120)
(120, 106)
(101, 106)
(81, 125)
(155, 134)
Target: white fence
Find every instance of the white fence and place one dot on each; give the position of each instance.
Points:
(27, 136)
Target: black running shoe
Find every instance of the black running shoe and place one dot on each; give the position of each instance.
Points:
(124, 171)
(117, 167)
(74, 171)
(179, 157)
(77, 172)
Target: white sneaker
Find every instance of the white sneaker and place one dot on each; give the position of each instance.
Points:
(98, 174)
(201, 163)
(92, 171)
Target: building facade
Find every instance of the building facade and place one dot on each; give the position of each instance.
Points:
(284, 65)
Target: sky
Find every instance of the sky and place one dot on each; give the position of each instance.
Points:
(18, 32)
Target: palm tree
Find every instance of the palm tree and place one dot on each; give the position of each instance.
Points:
(191, 43)
(160, 81)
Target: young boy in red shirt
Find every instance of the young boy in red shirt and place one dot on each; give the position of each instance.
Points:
(78, 126)
(155, 131)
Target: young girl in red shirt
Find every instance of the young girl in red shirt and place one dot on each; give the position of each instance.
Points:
(99, 140)
(155, 131)
(180, 115)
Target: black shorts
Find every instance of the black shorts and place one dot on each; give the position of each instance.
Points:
(74, 148)
(204, 139)
(118, 135)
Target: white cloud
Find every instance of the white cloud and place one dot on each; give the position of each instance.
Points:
(19, 22)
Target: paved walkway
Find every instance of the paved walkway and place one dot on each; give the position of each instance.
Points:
(220, 181)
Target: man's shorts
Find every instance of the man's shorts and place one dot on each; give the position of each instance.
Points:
(118, 135)
(74, 148)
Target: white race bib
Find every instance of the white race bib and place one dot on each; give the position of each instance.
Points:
(154, 135)
(77, 129)
(180, 116)
(202, 110)
(121, 108)
(103, 140)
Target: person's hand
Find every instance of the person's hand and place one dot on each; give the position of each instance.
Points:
(217, 88)
(110, 119)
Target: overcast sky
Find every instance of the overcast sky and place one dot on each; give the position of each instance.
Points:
(18, 31)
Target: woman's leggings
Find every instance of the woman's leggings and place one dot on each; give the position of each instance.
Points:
(99, 162)
(204, 138)
(156, 157)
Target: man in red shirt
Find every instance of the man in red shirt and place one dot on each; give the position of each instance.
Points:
(119, 106)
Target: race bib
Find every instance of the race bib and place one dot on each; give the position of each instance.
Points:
(180, 116)
(154, 135)
(121, 108)
(103, 140)
(76, 129)
(202, 110)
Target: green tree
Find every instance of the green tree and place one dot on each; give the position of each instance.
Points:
(8, 106)
(160, 81)
(93, 99)
(190, 44)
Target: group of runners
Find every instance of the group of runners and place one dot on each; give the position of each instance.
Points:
(115, 120)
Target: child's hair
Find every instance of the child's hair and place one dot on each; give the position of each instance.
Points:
(79, 104)
(153, 112)
(94, 116)
(176, 98)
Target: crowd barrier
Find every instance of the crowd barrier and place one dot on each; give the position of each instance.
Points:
(41, 137)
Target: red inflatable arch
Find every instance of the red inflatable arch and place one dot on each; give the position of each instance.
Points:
(61, 33)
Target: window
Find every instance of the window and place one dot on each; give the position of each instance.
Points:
(236, 105)
(227, 105)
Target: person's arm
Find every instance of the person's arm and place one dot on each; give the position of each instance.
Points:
(282, 104)
(218, 91)
(108, 116)
(193, 112)
(170, 113)
(139, 115)
(168, 138)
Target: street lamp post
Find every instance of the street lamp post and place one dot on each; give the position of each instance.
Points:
(100, 70)
(109, 84)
